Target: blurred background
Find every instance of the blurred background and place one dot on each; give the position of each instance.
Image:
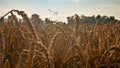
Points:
(60, 9)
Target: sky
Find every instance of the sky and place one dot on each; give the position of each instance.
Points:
(64, 8)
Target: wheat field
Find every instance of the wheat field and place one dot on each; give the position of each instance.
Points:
(28, 45)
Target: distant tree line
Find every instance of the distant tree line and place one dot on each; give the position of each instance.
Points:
(71, 19)
(76, 18)
(90, 19)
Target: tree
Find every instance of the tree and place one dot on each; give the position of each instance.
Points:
(112, 18)
(47, 21)
(83, 16)
(98, 17)
(35, 18)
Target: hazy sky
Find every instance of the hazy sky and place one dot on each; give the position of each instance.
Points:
(63, 7)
